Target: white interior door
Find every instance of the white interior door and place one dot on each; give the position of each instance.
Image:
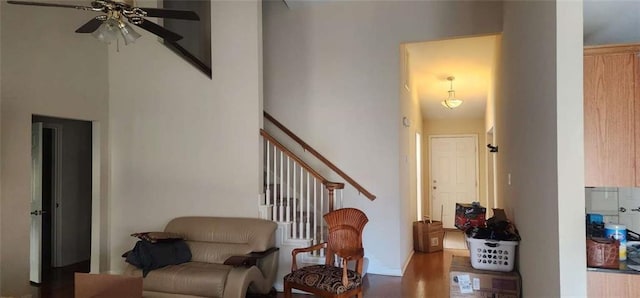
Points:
(35, 256)
(453, 179)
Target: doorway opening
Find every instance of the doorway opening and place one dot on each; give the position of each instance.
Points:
(61, 201)
(433, 75)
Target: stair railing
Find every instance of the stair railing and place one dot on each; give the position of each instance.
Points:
(297, 193)
(320, 157)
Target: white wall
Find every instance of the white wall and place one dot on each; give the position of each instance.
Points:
(571, 203)
(61, 74)
(332, 75)
(1, 6)
(182, 143)
(539, 117)
(490, 117)
(409, 108)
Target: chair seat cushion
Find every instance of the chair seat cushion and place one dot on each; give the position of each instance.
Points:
(327, 278)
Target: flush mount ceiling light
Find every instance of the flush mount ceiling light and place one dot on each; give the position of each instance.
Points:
(451, 102)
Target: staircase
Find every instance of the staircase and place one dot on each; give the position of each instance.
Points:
(297, 194)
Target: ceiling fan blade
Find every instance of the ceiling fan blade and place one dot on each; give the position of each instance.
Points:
(158, 30)
(90, 26)
(49, 4)
(171, 14)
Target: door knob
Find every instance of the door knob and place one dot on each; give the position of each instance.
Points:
(37, 212)
(622, 209)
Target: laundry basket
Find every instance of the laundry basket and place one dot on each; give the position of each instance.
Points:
(494, 255)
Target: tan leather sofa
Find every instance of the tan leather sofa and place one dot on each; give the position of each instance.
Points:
(246, 245)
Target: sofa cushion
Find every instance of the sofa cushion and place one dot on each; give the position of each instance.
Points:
(191, 278)
(210, 252)
(214, 239)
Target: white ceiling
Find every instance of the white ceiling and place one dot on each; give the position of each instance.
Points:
(469, 60)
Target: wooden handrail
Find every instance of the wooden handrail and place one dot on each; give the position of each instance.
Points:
(319, 156)
(324, 181)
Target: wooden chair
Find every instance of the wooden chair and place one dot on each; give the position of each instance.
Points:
(345, 242)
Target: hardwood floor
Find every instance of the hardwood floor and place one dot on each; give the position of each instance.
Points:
(58, 282)
(427, 275)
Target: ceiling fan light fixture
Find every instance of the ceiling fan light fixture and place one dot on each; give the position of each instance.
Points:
(107, 32)
(107, 27)
(451, 101)
(128, 33)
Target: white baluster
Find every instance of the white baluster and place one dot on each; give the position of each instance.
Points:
(322, 191)
(315, 211)
(281, 186)
(341, 198)
(272, 182)
(294, 229)
(267, 187)
(301, 222)
(308, 223)
(288, 213)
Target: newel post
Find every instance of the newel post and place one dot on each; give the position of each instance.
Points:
(331, 187)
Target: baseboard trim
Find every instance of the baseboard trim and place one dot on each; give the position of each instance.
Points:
(406, 263)
(388, 272)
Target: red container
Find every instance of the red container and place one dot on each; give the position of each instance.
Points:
(469, 215)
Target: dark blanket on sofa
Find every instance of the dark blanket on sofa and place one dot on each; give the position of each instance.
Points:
(148, 256)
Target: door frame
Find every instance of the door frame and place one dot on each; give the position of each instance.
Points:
(57, 193)
(96, 196)
(492, 184)
(35, 225)
(477, 165)
(419, 176)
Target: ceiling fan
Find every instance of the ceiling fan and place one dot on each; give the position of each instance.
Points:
(106, 27)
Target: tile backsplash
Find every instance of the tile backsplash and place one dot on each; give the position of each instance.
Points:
(616, 204)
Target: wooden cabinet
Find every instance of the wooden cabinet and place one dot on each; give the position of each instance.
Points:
(603, 284)
(611, 117)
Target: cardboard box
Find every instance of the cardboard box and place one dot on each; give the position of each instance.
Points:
(427, 236)
(106, 285)
(465, 281)
(468, 215)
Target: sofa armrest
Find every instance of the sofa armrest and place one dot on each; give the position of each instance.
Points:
(250, 259)
(254, 279)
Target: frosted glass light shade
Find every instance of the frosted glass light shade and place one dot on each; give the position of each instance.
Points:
(452, 102)
(128, 34)
(107, 32)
